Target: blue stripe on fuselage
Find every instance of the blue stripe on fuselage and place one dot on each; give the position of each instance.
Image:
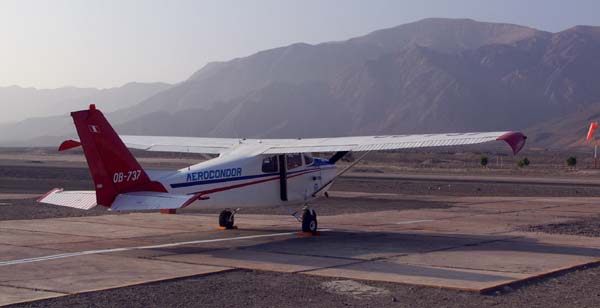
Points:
(239, 178)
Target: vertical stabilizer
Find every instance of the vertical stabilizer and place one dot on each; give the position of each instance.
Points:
(112, 166)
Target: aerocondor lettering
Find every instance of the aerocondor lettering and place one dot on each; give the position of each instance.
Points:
(213, 174)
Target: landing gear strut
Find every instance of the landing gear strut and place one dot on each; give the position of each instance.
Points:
(226, 219)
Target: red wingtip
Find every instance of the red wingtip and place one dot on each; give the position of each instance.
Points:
(68, 144)
(515, 140)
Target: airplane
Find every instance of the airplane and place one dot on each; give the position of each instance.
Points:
(246, 172)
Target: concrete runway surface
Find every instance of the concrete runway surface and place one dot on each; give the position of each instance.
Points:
(473, 245)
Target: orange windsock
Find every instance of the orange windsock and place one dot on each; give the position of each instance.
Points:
(590, 134)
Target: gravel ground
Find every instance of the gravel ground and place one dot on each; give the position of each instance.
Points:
(20, 209)
(584, 227)
(242, 288)
(40, 179)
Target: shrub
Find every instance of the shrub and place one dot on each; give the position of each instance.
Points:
(523, 162)
(483, 161)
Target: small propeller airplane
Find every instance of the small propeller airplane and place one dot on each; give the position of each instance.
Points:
(247, 172)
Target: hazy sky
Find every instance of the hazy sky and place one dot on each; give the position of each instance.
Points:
(106, 43)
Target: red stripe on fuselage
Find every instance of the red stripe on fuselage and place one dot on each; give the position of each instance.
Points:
(214, 190)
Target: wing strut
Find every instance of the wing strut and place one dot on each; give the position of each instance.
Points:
(341, 172)
(337, 156)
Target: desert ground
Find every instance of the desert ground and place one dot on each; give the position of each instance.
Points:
(502, 235)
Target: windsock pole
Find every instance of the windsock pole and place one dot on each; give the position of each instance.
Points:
(595, 156)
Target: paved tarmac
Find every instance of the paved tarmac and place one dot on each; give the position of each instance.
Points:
(470, 246)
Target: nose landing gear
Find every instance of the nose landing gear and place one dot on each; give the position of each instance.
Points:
(308, 220)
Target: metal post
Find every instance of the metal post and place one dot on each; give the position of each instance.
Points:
(596, 156)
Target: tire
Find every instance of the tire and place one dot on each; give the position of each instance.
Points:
(309, 221)
(226, 219)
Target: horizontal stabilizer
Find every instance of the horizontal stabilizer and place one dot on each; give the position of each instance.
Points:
(83, 200)
(147, 200)
(68, 144)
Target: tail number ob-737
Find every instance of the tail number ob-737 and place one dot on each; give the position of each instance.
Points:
(128, 176)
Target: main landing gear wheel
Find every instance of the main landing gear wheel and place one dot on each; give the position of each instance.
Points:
(309, 221)
(226, 219)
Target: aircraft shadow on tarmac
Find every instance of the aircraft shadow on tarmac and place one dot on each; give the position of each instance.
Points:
(474, 258)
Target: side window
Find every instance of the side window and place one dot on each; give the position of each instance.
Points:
(293, 161)
(269, 164)
(307, 160)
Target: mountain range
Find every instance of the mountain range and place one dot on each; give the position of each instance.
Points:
(434, 75)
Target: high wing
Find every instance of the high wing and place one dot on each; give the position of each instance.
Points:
(180, 144)
(516, 140)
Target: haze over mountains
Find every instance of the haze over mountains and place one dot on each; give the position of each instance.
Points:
(434, 75)
(22, 103)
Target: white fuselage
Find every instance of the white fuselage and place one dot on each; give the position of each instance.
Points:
(249, 180)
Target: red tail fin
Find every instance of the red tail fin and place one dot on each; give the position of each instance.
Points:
(113, 168)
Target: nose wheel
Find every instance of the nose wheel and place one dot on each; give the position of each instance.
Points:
(309, 221)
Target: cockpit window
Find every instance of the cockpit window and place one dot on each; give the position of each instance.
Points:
(270, 164)
(293, 161)
(307, 160)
